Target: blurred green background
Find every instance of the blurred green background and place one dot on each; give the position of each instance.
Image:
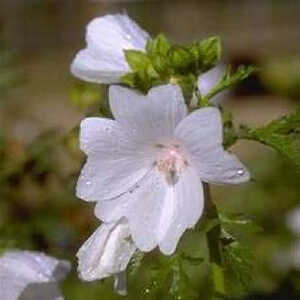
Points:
(41, 106)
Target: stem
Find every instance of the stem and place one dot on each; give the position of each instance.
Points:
(214, 245)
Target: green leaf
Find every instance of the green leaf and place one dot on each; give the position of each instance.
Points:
(286, 145)
(137, 60)
(207, 53)
(180, 58)
(230, 79)
(238, 226)
(286, 124)
(238, 268)
(229, 130)
(218, 279)
(187, 84)
(281, 135)
(129, 79)
(192, 260)
(158, 46)
(180, 285)
(135, 263)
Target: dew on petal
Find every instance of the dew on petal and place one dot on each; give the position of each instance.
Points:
(241, 172)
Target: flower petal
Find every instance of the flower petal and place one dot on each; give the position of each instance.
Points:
(45, 291)
(106, 137)
(30, 273)
(107, 37)
(201, 133)
(99, 70)
(187, 201)
(120, 283)
(107, 252)
(103, 180)
(208, 80)
(142, 207)
(114, 164)
(151, 117)
(111, 34)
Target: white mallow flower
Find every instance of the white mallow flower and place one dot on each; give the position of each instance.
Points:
(107, 37)
(208, 80)
(29, 275)
(107, 252)
(149, 163)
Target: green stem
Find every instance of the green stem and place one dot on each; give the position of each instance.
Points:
(214, 245)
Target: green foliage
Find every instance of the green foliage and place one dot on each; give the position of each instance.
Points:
(228, 80)
(164, 278)
(238, 226)
(158, 46)
(229, 130)
(238, 269)
(282, 135)
(163, 63)
(207, 53)
(166, 63)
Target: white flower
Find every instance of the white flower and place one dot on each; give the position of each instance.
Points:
(31, 275)
(107, 37)
(208, 80)
(148, 164)
(107, 252)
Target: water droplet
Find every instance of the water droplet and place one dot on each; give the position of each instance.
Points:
(241, 172)
(88, 183)
(147, 291)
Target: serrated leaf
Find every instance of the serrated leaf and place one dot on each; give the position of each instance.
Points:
(230, 79)
(238, 225)
(238, 268)
(286, 124)
(286, 145)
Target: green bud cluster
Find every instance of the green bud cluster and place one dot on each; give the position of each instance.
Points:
(163, 63)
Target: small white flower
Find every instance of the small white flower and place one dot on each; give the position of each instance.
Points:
(148, 164)
(107, 37)
(107, 252)
(31, 275)
(208, 80)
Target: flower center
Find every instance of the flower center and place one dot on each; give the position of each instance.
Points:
(171, 162)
